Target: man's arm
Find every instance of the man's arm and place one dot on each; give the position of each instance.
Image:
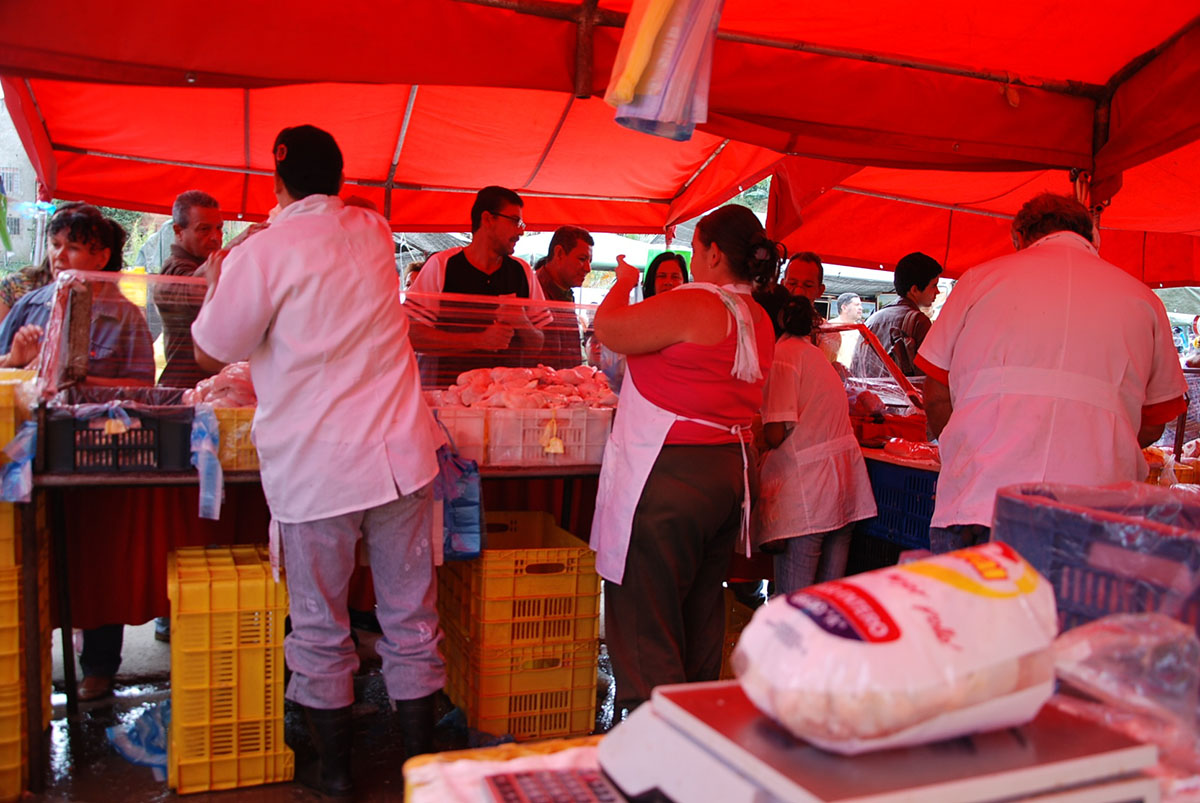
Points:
(937, 406)
(431, 340)
(206, 360)
(1148, 434)
(236, 315)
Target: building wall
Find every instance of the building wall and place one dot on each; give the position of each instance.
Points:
(14, 164)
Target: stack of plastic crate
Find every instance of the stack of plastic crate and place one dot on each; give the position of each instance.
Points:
(227, 615)
(521, 625)
(13, 747)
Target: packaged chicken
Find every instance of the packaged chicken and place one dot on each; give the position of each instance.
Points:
(933, 649)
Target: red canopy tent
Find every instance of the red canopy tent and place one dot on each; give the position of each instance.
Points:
(433, 98)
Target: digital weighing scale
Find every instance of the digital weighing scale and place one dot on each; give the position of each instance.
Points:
(707, 743)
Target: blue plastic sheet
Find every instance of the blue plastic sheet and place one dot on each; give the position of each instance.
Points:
(459, 488)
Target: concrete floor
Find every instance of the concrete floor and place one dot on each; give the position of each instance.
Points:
(84, 767)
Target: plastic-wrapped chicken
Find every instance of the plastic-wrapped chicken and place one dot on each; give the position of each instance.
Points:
(933, 649)
(232, 387)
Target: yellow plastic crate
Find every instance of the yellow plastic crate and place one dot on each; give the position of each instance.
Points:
(538, 692)
(535, 583)
(236, 451)
(12, 414)
(235, 773)
(12, 747)
(10, 627)
(227, 617)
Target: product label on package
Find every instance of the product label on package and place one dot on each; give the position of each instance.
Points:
(991, 570)
(846, 611)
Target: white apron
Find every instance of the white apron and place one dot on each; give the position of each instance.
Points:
(639, 430)
(810, 489)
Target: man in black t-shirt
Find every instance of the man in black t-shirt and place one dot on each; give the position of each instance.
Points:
(478, 334)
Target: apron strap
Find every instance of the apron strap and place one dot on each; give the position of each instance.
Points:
(739, 430)
(745, 359)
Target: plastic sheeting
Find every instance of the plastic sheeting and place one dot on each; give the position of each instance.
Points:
(1140, 675)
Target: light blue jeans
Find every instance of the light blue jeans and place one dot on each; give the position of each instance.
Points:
(320, 557)
(809, 559)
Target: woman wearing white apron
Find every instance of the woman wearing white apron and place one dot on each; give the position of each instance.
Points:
(672, 498)
(814, 483)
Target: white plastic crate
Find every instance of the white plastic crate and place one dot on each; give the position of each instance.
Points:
(520, 437)
(468, 428)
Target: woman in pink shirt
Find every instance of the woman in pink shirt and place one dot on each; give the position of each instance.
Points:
(673, 497)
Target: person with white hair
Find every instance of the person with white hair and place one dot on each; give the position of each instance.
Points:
(1068, 392)
(849, 310)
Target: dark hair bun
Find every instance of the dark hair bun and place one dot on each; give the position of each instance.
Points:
(764, 257)
(797, 316)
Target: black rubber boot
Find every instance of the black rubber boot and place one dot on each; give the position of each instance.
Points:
(416, 719)
(331, 730)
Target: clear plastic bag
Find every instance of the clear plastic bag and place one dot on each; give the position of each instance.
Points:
(1140, 675)
(206, 435)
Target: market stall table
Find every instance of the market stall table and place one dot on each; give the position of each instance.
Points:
(50, 489)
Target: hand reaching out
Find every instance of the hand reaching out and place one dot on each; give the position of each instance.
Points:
(211, 269)
(626, 273)
(25, 346)
(496, 337)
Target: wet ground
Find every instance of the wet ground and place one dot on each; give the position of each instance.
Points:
(84, 766)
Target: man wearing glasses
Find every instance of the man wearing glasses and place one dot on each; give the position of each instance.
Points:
(484, 267)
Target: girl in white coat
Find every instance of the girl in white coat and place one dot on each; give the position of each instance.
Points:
(814, 480)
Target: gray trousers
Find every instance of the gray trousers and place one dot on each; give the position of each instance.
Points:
(665, 622)
(813, 558)
(957, 536)
(320, 557)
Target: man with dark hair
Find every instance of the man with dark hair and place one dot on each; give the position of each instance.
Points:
(901, 327)
(196, 221)
(484, 267)
(1020, 392)
(568, 263)
(805, 276)
(566, 266)
(345, 441)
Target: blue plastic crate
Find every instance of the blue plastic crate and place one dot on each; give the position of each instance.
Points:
(1131, 548)
(868, 553)
(904, 497)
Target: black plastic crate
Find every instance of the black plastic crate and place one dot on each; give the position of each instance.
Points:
(1131, 548)
(158, 437)
(904, 497)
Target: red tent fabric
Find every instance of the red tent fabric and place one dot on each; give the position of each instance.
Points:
(435, 98)
(873, 216)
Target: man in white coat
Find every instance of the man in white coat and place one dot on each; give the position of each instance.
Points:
(1022, 391)
(345, 440)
